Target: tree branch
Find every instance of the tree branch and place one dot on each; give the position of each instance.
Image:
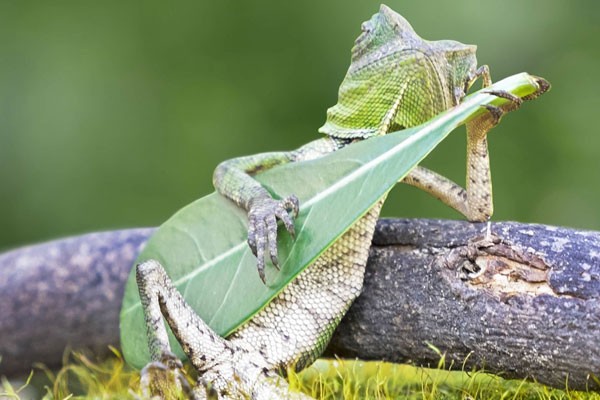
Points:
(526, 304)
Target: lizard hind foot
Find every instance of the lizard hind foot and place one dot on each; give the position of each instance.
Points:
(165, 380)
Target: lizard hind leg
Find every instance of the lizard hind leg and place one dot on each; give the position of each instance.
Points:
(226, 371)
(163, 376)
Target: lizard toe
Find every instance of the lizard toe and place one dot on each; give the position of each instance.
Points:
(271, 222)
(288, 222)
(292, 204)
(260, 263)
(506, 95)
(252, 236)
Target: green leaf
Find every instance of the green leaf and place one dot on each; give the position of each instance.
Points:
(203, 246)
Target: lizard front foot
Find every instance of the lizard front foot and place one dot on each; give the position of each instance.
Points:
(262, 227)
(496, 113)
(480, 126)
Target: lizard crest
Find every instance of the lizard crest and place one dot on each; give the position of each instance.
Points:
(397, 79)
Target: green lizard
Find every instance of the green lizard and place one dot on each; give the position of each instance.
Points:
(396, 80)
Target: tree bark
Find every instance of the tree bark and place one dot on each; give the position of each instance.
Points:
(521, 301)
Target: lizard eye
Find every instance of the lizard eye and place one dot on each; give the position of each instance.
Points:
(366, 29)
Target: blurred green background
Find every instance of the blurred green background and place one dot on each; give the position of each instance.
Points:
(114, 114)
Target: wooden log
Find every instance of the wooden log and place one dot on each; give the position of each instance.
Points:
(525, 302)
(525, 305)
(64, 293)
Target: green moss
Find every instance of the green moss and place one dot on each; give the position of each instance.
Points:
(82, 378)
(337, 379)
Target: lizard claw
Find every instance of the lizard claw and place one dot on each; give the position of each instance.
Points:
(543, 87)
(262, 227)
(496, 113)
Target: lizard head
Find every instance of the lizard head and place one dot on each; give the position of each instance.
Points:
(380, 32)
(397, 79)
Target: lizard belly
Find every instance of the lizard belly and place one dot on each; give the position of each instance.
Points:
(294, 328)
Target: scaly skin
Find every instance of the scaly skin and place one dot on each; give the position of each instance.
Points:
(396, 80)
